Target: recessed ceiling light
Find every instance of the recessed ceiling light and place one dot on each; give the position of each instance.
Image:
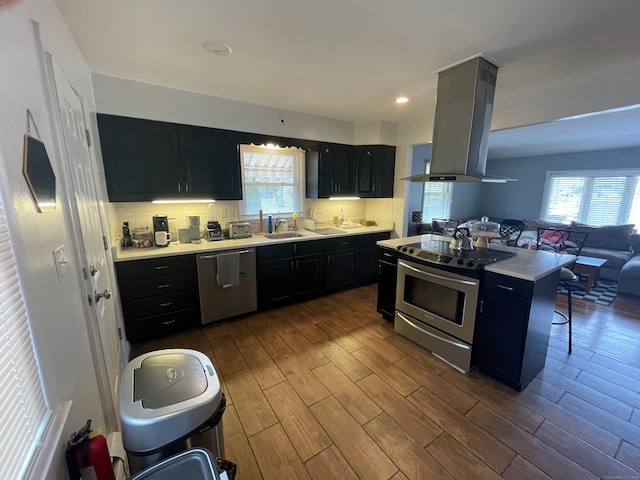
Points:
(402, 100)
(217, 47)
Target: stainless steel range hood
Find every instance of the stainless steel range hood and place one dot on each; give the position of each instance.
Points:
(462, 124)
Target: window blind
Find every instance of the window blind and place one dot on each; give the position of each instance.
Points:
(599, 197)
(23, 410)
(273, 179)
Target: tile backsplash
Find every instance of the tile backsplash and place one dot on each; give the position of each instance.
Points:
(139, 214)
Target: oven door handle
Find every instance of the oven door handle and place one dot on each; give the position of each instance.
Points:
(439, 277)
(426, 332)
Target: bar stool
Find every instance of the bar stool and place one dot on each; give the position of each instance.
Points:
(563, 241)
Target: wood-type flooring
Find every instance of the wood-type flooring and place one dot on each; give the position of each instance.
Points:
(325, 389)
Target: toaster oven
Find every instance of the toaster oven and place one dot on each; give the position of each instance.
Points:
(235, 230)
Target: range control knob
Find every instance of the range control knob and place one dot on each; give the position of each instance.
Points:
(460, 261)
(470, 263)
(404, 249)
(411, 251)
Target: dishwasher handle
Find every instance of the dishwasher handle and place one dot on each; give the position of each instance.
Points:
(209, 257)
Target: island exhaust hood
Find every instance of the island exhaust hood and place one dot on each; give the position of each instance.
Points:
(464, 106)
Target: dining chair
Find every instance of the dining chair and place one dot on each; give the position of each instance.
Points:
(564, 241)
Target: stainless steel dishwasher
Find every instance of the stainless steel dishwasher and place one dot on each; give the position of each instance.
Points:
(219, 302)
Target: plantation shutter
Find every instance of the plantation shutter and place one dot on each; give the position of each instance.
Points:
(593, 197)
(23, 411)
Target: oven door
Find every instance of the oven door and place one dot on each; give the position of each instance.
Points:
(439, 298)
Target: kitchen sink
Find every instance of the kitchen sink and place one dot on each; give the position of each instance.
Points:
(275, 236)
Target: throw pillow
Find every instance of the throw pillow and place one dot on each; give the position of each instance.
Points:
(611, 237)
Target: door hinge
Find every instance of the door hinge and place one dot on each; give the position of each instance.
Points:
(105, 243)
(85, 275)
(88, 137)
(90, 300)
(120, 333)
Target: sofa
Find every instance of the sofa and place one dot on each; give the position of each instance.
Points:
(615, 243)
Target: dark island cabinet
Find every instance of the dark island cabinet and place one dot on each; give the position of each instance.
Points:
(375, 166)
(159, 296)
(513, 324)
(146, 160)
(387, 281)
(141, 158)
(289, 272)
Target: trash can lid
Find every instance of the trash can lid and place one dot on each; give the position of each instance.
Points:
(168, 378)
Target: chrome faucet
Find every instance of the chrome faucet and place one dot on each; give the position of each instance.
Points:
(276, 223)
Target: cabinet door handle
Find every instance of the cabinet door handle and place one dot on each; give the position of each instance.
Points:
(169, 322)
(179, 190)
(166, 285)
(379, 269)
(481, 306)
(343, 243)
(387, 254)
(166, 304)
(505, 287)
(292, 265)
(297, 265)
(186, 186)
(162, 267)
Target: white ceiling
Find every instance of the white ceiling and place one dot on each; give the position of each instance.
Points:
(349, 59)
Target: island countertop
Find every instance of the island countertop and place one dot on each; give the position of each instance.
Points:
(526, 264)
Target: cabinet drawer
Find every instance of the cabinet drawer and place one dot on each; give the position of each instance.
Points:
(161, 325)
(164, 285)
(308, 248)
(333, 244)
(156, 266)
(507, 287)
(388, 256)
(146, 307)
(275, 252)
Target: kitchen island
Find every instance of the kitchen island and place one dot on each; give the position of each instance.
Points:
(514, 307)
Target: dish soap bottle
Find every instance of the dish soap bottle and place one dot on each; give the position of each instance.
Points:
(270, 225)
(341, 217)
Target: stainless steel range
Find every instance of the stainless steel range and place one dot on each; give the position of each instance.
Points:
(437, 297)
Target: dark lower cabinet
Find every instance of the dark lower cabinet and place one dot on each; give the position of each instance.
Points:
(159, 296)
(513, 324)
(289, 271)
(367, 271)
(387, 281)
(341, 268)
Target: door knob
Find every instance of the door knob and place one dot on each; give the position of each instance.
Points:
(106, 295)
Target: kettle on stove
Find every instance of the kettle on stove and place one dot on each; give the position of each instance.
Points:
(461, 242)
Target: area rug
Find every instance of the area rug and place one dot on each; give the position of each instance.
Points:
(603, 293)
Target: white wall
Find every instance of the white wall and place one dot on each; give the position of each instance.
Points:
(54, 308)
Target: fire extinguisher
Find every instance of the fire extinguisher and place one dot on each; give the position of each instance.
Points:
(87, 455)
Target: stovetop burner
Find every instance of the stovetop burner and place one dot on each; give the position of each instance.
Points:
(438, 252)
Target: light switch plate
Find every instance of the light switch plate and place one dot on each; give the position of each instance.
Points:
(61, 261)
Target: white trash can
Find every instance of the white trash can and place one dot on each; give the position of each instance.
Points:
(170, 401)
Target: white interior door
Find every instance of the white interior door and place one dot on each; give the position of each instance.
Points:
(97, 283)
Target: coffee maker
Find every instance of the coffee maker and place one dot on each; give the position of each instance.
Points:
(161, 230)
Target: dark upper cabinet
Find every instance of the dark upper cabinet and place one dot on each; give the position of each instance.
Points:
(211, 163)
(374, 166)
(141, 158)
(331, 171)
(146, 160)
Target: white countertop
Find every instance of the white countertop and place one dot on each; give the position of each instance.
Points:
(176, 248)
(526, 264)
